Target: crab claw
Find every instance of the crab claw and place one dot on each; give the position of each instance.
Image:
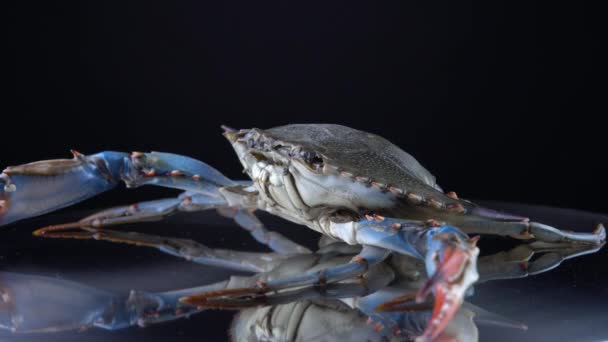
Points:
(40, 187)
(451, 264)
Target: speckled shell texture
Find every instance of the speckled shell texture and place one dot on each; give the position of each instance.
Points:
(360, 153)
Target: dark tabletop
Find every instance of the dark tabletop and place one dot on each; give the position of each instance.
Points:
(568, 303)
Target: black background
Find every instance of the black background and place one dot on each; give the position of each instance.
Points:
(499, 100)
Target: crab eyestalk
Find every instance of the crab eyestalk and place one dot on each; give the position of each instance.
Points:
(451, 263)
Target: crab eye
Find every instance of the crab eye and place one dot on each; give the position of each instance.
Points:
(313, 159)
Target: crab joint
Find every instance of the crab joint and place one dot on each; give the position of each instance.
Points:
(414, 198)
(452, 194)
(77, 155)
(395, 191)
(261, 285)
(380, 186)
(600, 231)
(133, 208)
(346, 174)
(150, 173)
(435, 203)
(3, 206)
(5, 297)
(526, 233)
(456, 207)
(321, 279)
(9, 186)
(361, 179)
(378, 218)
(360, 259)
(176, 173)
(187, 200)
(433, 223)
(473, 240)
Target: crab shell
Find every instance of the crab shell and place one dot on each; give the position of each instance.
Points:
(332, 320)
(307, 167)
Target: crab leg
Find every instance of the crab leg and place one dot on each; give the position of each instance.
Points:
(40, 187)
(37, 304)
(160, 209)
(237, 298)
(36, 188)
(488, 222)
(369, 256)
(185, 248)
(139, 212)
(518, 263)
(275, 241)
(222, 299)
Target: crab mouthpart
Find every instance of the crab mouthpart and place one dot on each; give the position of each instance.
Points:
(455, 273)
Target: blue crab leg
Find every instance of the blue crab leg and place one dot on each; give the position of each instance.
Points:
(222, 299)
(139, 212)
(235, 297)
(159, 209)
(185, 248)
(518, 262)
(37, 304)
(369, 256)
(275, 241)
(488, 222)
(36, 188)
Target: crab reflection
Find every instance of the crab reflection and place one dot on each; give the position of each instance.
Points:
(369, 307)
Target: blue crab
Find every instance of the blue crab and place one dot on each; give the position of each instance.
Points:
(349, 185)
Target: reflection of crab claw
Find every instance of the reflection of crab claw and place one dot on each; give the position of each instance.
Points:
(452, 266)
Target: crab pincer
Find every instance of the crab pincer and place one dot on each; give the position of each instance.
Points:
(37, 188)
(451, 266)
